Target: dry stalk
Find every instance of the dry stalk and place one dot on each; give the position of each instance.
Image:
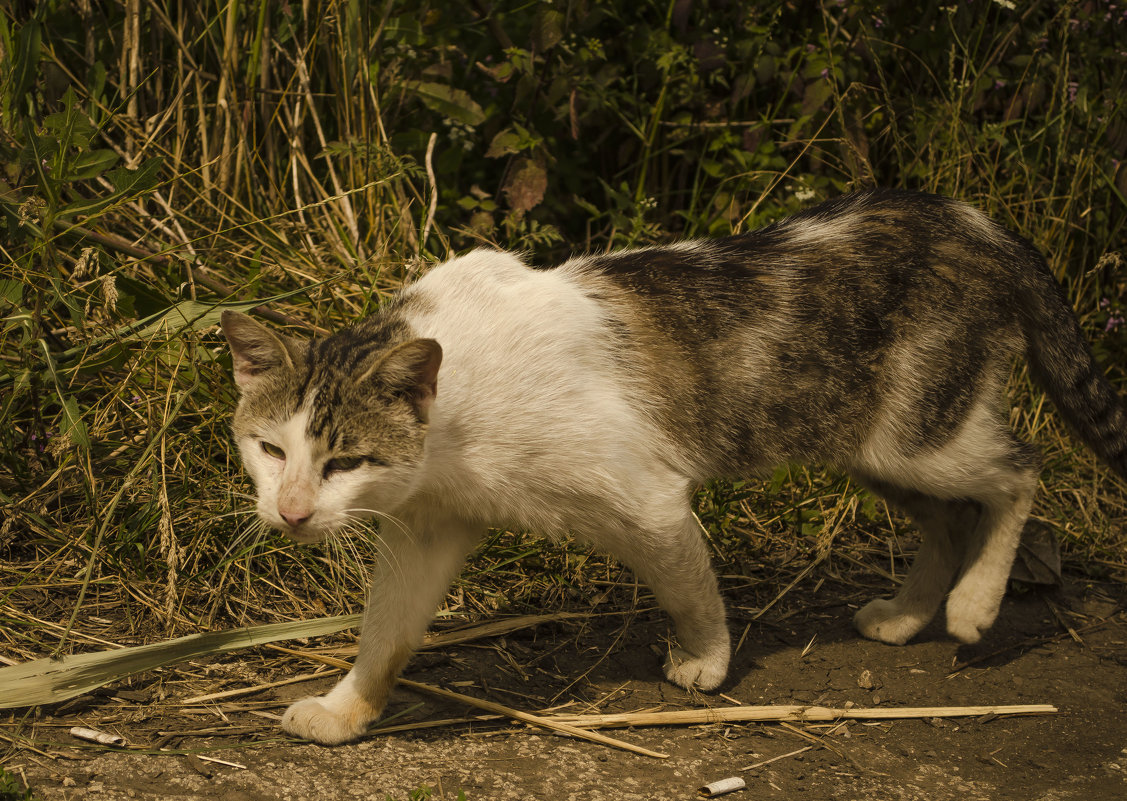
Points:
(433, 724)
(792, 712)
(345, 202)
(526, 717)
(777, 758)
(433, 192)
(233, 693)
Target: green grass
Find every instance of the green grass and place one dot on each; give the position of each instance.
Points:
(12, 789)
(210, 156)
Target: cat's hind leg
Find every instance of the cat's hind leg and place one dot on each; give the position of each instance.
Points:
(974, 603)
(981, 463)
(944, 524)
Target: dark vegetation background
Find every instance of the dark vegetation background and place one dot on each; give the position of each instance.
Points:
(158, 158)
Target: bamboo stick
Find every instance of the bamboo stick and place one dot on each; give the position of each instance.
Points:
(526, 717)
(793, 713)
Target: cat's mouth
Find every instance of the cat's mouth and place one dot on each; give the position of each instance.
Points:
(305, 535)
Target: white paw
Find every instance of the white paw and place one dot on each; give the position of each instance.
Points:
(883, 620)
(970, 614)
(967, 625)
(326, 722)
(703, 672)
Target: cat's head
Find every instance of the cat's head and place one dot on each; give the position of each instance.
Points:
(330, 430)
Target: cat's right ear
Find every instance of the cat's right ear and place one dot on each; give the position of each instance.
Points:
(410, 369)
(255, 349)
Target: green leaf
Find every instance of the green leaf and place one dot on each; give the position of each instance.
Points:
(548, 30)
(127, 183)
(448, 101)
(73, 425)
(11, 292)
(70, 126)
(505, 143)
(512, 140)
(29, 41)
(137, 181)
(93, 163)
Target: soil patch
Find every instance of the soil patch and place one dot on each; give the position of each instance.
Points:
(803, 651)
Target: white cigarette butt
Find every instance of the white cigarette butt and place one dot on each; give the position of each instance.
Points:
(722, 787)
(95, 736)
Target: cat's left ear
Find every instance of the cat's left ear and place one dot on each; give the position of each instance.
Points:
(255, 349)
(411, 369)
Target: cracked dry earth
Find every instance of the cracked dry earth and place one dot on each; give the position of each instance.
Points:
(805, 652)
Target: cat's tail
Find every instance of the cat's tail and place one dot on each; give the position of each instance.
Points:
(1063, 364)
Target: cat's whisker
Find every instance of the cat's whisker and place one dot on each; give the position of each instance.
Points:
(346, 545)
(397, 522)
(233, 513)
(384, 550)
(248, 536)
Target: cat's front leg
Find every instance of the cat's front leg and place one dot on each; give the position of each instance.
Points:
(341, 715)
(674, 562)
(410, 580)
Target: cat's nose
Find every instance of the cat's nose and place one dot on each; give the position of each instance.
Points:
(295, 519)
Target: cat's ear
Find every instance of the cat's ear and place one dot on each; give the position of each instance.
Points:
(410, 369)
(255, 349)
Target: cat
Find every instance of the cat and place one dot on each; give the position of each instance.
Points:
(873, 333)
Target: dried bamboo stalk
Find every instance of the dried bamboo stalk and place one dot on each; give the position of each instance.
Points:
(791, 712)
(536, 720)
(432, 724)
(48, 681)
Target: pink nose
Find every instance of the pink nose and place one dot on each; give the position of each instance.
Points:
(295, 519)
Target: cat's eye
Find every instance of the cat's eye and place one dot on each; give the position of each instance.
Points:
(342, 464)
(273, 450)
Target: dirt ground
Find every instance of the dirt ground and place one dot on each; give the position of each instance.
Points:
(803, 650)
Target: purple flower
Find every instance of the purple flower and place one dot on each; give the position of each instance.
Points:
(1073, 88)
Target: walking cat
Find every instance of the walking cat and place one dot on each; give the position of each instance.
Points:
(873, 333)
